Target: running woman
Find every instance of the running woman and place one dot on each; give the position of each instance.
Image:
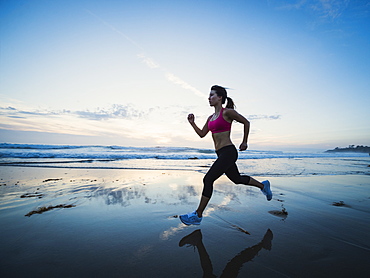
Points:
(219, 124)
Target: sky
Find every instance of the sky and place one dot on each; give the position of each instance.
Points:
(129, 72)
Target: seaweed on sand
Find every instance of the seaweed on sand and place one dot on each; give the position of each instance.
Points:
(47, 180)
(44, 209)
(280, 213)
(340, 204)
(30, 195)
(240, 229)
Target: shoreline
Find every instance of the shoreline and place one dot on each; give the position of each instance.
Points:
(269, 167)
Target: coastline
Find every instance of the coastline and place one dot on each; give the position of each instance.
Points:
(351, 149)
(124, 223)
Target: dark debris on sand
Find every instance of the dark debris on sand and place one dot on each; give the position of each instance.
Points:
(44, 209)
(51, 180)
(30, 195)
(340, 204)
(280, 213)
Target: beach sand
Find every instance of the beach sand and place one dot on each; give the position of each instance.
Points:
(124, 223)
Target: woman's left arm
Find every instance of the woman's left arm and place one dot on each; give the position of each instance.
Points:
(233, 115)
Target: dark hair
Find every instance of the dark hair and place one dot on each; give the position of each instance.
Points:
(221, 92)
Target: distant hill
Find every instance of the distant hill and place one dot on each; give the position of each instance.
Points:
(351, 149)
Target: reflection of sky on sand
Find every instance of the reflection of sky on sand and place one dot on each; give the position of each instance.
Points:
(131, 188)
(125, 188)
(165, 235)
(138, 192)
(157, 189)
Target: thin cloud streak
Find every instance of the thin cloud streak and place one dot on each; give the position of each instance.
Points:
(325, 9)
(150, 62)
(115, 30)
(331, 9)
(178, 81)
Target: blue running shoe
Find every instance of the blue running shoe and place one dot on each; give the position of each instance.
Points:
(191, 218)
(267, 190)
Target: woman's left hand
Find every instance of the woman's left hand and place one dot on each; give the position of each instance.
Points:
(243, 146)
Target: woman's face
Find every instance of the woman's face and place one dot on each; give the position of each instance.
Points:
(214, 98)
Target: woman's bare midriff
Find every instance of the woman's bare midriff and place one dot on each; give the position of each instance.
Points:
(221, 139)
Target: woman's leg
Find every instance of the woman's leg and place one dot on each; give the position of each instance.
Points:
(226, 158)
(202, 205)
(233, 174)
(217, 170)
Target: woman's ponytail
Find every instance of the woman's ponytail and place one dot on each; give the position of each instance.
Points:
(230, 103)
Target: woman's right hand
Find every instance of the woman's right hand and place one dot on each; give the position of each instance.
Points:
(191, 118)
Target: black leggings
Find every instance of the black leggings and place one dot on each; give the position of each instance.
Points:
(225, 164)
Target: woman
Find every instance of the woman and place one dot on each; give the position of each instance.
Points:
(220, 125)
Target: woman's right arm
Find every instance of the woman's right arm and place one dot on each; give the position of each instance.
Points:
(201, 132)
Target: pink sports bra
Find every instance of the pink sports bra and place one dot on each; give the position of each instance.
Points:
(220, 124)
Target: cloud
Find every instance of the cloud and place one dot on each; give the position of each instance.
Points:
(116, 111)
(170, 76)
(116, 121)
(148, 61)
(331, 9)
(289, 5)
(325, 9)
(178, 81)
(264, 117)
(16, 113)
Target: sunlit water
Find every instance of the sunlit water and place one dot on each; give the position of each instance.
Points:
(253, 163)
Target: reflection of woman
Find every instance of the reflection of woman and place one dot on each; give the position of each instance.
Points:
(220, 125)
(235, 264)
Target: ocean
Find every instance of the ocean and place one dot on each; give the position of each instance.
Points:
(251, 162)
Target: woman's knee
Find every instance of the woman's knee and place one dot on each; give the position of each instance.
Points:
(240, 179)
(208, 179)
(245, 179)
(207, 186)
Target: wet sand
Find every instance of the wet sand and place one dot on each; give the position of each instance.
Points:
(123, 223)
